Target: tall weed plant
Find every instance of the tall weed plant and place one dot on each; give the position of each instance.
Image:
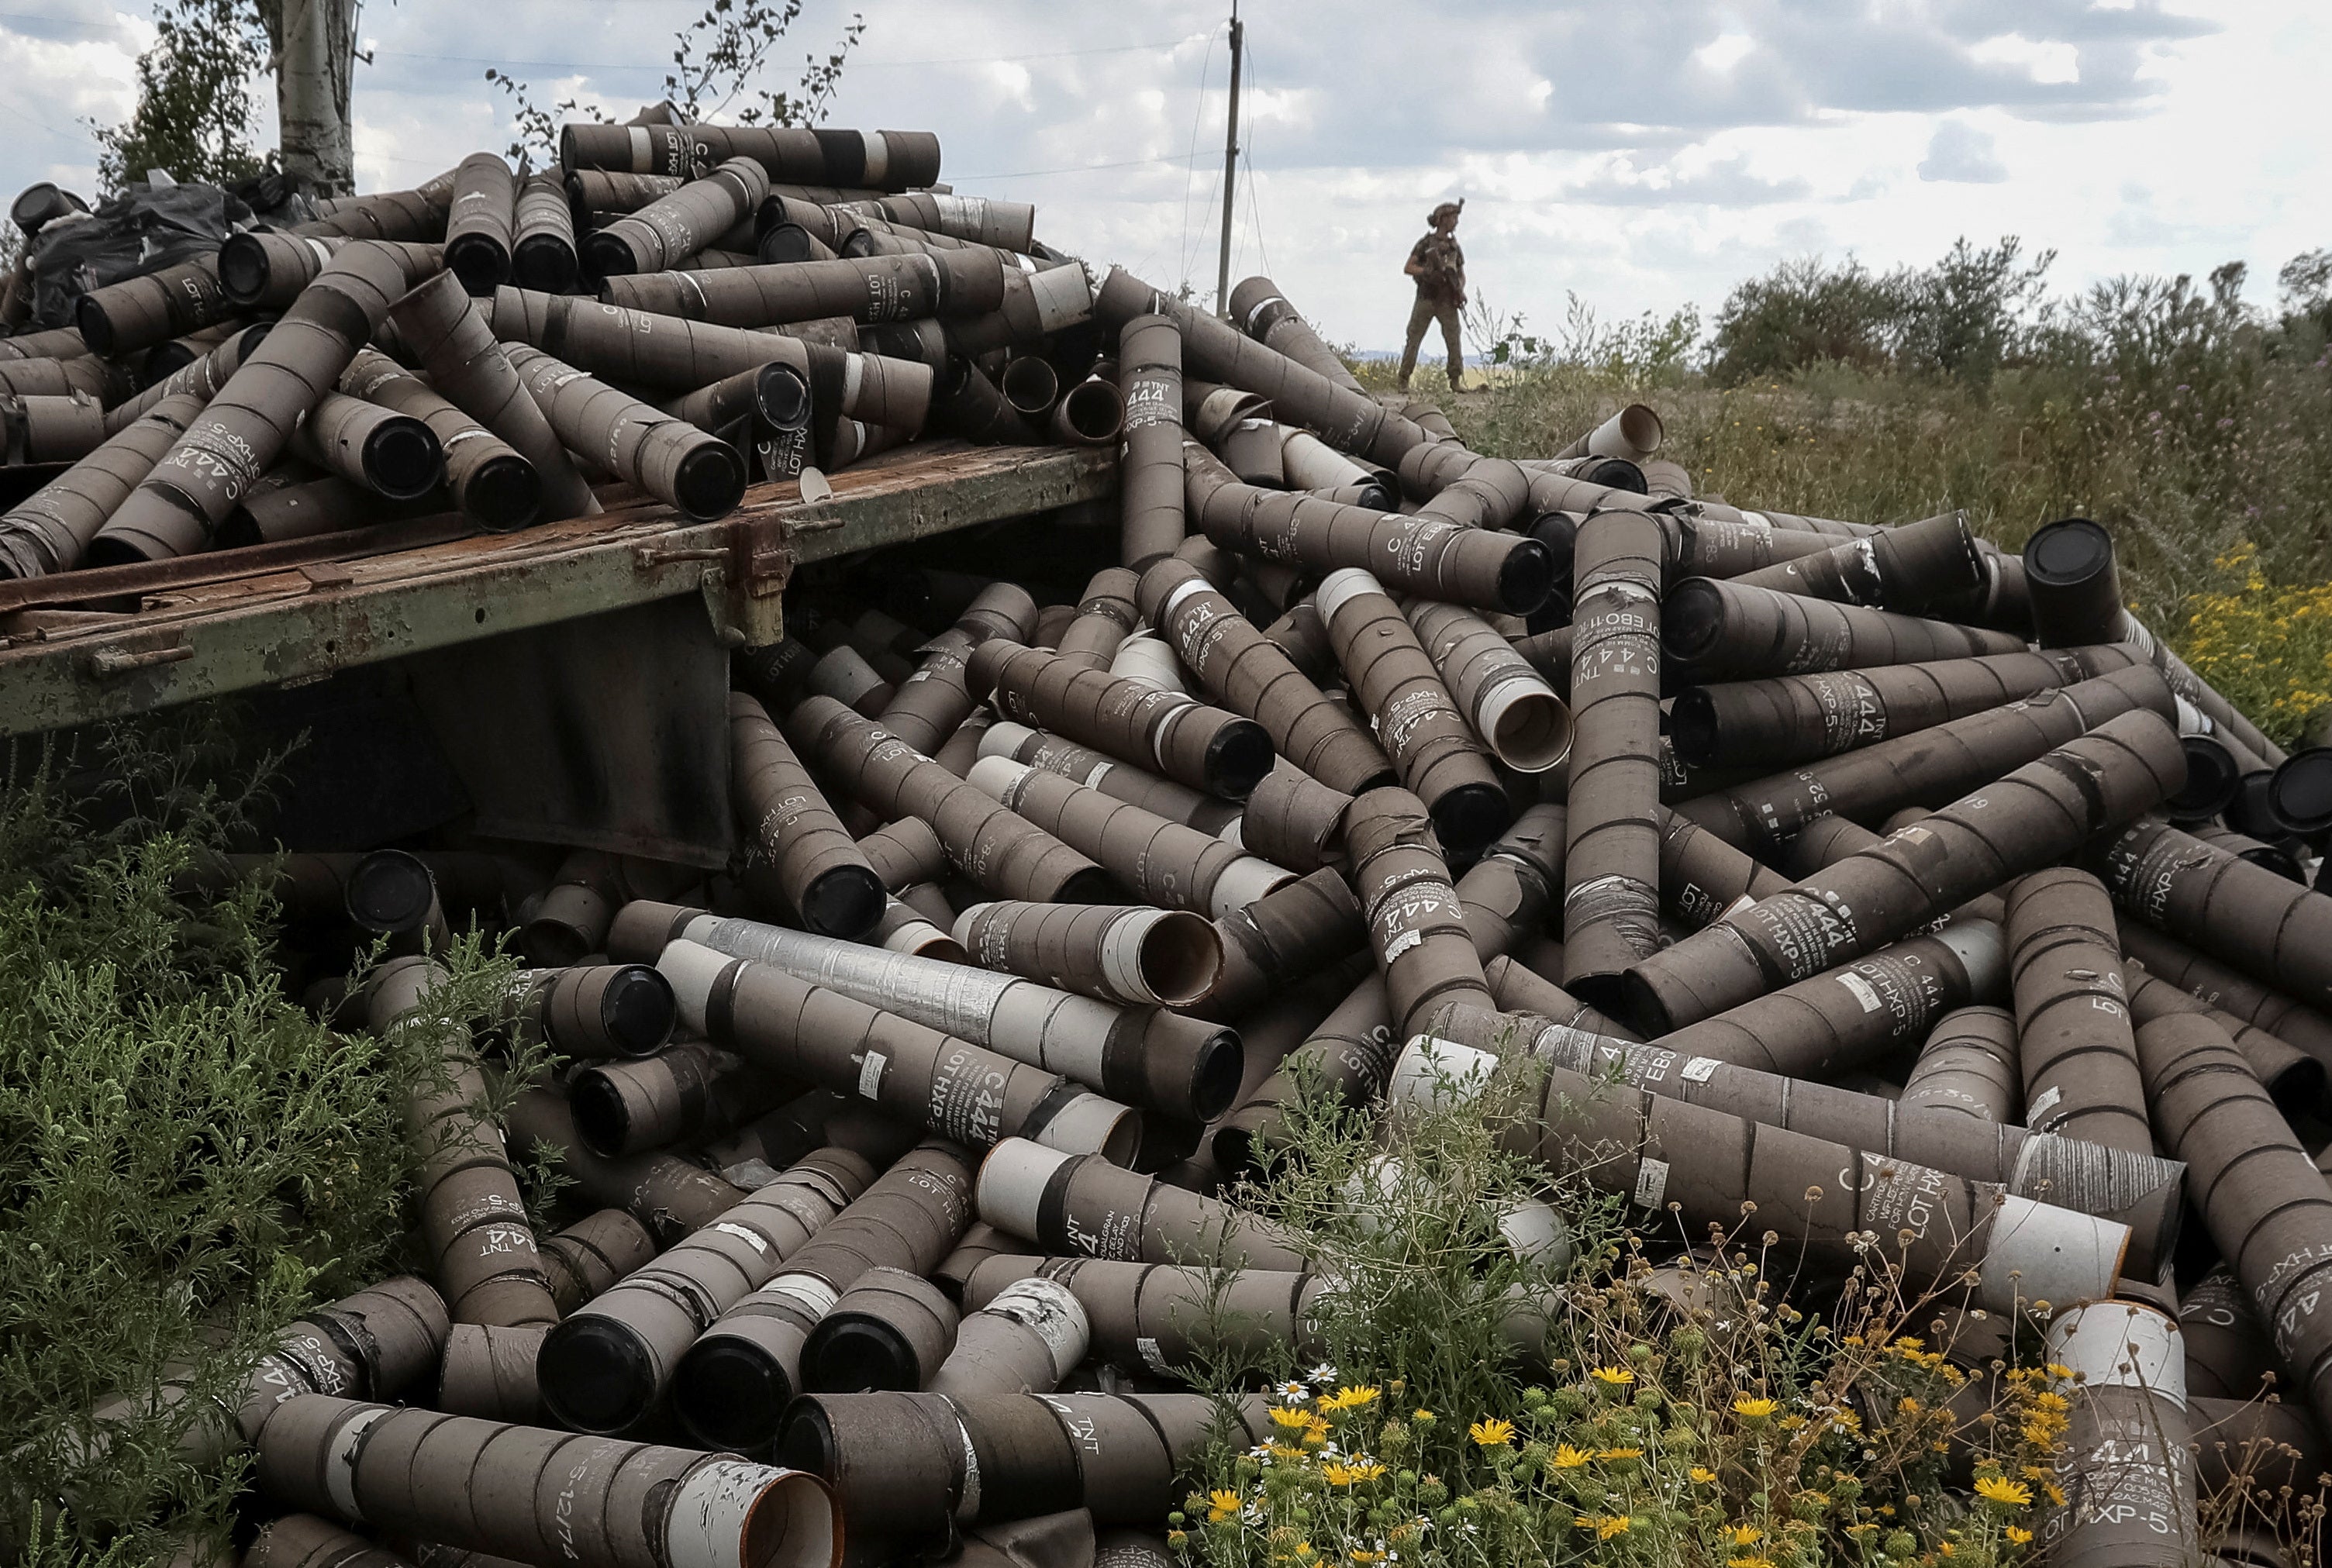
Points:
(187, 1158)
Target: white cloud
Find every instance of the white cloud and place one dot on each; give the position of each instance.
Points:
(1959, 151)
(1643, 155)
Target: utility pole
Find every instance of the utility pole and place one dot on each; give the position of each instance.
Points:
(1230, 168)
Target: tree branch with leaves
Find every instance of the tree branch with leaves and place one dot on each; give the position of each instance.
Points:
(718, 64)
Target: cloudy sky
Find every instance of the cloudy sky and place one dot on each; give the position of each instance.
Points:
(1644, 156)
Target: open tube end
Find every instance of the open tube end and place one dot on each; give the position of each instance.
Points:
(735, 1514)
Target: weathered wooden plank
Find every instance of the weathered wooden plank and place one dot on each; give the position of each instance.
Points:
(63, 667)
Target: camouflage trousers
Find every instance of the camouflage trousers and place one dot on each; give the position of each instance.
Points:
(1421, 316)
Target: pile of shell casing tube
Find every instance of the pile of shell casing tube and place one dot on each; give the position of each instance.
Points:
(1874, 876)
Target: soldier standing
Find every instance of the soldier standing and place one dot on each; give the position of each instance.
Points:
(1440, 268)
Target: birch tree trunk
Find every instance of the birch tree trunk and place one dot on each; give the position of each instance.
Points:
(315, 57)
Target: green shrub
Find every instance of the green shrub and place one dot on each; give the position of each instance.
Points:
(187, 1158)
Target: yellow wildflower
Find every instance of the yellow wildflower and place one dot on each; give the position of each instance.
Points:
(2017, 1537)
(1493, 1433)
(1617, 1377)
(2055, 1492)
(1351, 1475)
(2059, 1371)
(1605, 1525)
(1754, 1409)
(2050, 1401)
(1567, 1458)
(1702, 1474)
(1620, 1454)
(1745, 1535)
(1221, 1505)
(1750, 1562)
(2007, 1493)
(1350, 1398)
(1360, 1556)
(1281, 1416)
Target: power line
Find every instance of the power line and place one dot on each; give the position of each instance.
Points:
(612, 65)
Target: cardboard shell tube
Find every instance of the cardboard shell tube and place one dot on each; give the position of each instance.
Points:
(1517, 989)
(1416, 721)
(1611, 900)
(1913, 569)
(2129, 1487)
(1969, 1067)
(1659, 1151)
(1634, 433)
(906, 929)
(1154, 1317)
(2075, 1041)
(1294, 820)
(668, 1195)
(1005, 854)
(683, 1095)
(2253, 920)
(457, 350)
(686, 468)
(1189, 741)
(1785, 718)
(1415, 926)
(1090, 414)
(1083, 1203)
(1710, 625)
(1703, 878)
(50, 530)
(473, 1223)
(1258, 309)
(513, 1490)
(51, 429)
(890, 1329)
(2228, 1355)
(1140, 956)
(906, 853)
(1146, 1056)
(571, 921)
(799, 850)
(488, 1373)
(1348, 1055)
(1160, 862)
(1511, 707)
(542, 236)
(309, 1541)
(931, 704)
(1219, 351)
(2210, 981)
(1930, 768)
(490, 483)
(1428, 557)
(1025, 1339)
(2263, 1201)
(915, 1072)
(675, 226)
(2293, 1079)
(1106, 616)
(865, 288)
(1505, 896)
(606, 1365)
(138, 312)
(241, 432)
(590, 1255)
(371, 446)
(1826, 1024)
(1249, 674)
(1150, 381)
(479, 219)
(2076, 595)
(1288, 934)
(729, 1389)
(1122, 780)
